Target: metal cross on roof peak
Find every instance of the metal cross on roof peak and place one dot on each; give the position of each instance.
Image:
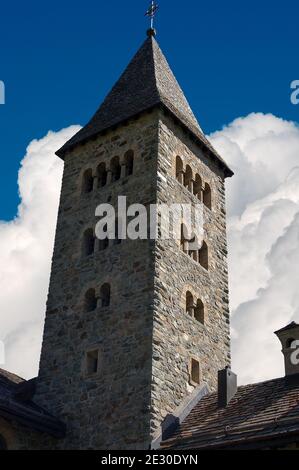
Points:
(151, 13)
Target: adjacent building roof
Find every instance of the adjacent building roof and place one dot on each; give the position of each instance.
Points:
(16, 405)
(258, 415)
(146, 83)
(291, 326)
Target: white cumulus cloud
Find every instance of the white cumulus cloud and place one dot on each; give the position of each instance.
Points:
(263, 223)
(26, 245)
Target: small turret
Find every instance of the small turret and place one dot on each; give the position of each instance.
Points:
(289, 338)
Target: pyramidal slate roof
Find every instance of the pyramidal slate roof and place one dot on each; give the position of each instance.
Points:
(146, 83)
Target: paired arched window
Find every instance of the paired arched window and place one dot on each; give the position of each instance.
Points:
(193, 184)
(87, 183)
(105, 295)
(203, 256)
(88, 243)
(90, 301)
(102, 172)
(102, 175)
(200, 256)
(129, 162)
(115, 169)
(195, 308)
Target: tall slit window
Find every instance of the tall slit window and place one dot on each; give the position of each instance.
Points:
(92, 362)
(195, 372)
(203, 256)
(207, 196)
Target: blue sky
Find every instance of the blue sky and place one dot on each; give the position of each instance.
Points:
(59, 59)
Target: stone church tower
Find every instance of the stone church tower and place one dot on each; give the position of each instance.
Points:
(134, 326)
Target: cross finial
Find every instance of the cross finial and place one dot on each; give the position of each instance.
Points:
(151, 12)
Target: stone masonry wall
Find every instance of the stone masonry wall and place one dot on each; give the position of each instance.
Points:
(176, 336)
(111, 410)
(145, 337)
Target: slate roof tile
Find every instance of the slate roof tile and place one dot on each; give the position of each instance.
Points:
(257, 411)
(146, 83)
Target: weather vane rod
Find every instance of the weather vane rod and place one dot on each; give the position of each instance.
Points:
(151, 13)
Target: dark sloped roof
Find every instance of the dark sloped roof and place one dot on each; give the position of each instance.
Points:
(258, 412)
(16, 405)
(147, 82)
(9, 377)
(291, 326)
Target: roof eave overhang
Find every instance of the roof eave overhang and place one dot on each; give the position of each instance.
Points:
(68, 148)
(253, 442)
(37, 422)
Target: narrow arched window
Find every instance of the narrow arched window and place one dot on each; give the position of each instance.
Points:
(189, 303)
(188, 178)
(102, 175)
(195, 372)
(199, 312)
(207, 196)
(115, 169)
(203, 256)
(88, 242)
(129, 162)
(179, 170)
(90, 301)
(87, 182)
(105, 295)
(197, 186)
